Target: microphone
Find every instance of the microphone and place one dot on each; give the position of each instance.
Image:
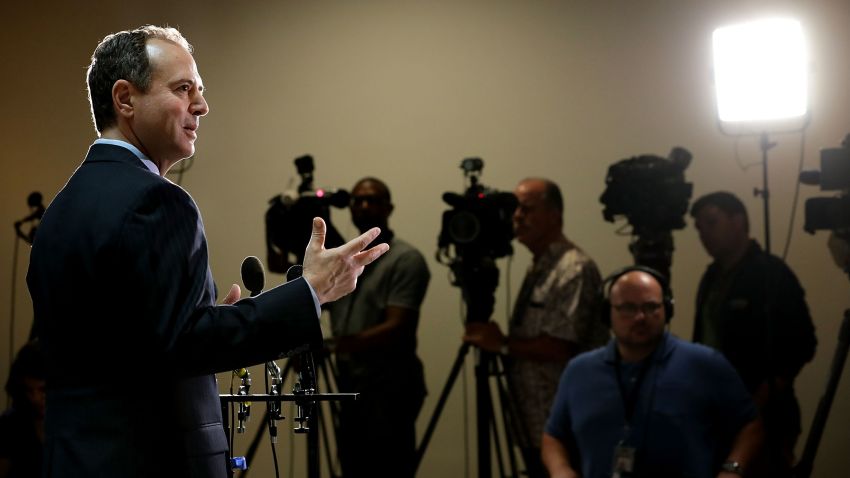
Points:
(294, 272)
(306, 384)
(34, 201)
(253, 275)
(254, 278)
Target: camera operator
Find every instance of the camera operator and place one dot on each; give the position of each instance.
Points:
(751, 307)
(553, 315)
(375, 344)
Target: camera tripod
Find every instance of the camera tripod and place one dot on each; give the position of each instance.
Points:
(478, 280)
(804, 467)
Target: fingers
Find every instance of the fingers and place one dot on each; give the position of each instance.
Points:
(367, 257)
(317, 238)
(233, 295)
(359, 243)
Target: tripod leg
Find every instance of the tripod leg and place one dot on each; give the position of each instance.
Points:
(508, 419)
(496, 441)
(447, 388)
(805, 465)
(484, 412)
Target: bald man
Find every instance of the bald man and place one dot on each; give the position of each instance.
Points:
(649, 404)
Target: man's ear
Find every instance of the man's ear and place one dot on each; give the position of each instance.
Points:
(122, 98)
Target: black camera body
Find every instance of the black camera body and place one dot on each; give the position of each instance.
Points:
(650, 191)
(480, 223)
(831, 213)
(289, 218)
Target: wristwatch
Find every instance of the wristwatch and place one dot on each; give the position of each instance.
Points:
(732, 467)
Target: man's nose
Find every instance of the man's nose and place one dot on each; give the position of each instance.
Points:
(199, 106)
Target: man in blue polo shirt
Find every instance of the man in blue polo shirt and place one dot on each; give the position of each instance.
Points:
(648, 404)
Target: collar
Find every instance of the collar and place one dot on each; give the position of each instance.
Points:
(661, 353)
(553, 253)
(144, 159)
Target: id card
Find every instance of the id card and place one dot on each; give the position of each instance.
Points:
(624, 461)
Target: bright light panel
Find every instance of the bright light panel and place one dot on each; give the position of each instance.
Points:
(760, 71)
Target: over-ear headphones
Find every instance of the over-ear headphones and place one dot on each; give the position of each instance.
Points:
(608, 282)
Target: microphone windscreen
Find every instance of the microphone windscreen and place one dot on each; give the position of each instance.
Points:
(253, 275)
(294, 272)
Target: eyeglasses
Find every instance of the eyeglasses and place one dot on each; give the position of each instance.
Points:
(630, 309)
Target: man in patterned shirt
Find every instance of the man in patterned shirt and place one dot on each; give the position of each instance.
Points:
(554, 316)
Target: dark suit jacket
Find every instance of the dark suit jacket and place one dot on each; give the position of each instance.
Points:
(122, 294)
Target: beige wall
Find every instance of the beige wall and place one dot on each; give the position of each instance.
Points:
(404, 91)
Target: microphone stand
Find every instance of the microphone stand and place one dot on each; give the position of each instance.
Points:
(34, 200)
(305, 390)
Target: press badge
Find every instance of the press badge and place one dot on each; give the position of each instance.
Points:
(624, 461)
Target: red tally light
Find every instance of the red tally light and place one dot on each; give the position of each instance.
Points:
(480, 195)
(320, 193)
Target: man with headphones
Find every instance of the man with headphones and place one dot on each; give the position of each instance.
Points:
(648, 403)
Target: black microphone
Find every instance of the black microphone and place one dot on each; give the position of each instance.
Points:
(34, 201)
(294, 272)
(306, 370)
(253, 275)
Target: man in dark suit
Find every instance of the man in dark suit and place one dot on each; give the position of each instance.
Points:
(119, 228)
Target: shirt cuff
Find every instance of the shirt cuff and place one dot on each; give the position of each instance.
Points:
(315, 299)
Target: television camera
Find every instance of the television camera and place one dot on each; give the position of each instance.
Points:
(831, 213)
(651, 192)
(289, 219)
(476, 231)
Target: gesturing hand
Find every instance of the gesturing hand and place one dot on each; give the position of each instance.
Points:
(332, 273)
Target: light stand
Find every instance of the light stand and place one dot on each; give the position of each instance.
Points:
(760, 76)
(765, 145)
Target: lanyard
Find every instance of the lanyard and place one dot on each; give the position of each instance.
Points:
(630, 399)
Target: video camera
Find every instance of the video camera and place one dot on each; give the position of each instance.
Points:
(652, 193)
(829, 212)
(649, 190)
(480, 227)
(480, 223)
(289, 219)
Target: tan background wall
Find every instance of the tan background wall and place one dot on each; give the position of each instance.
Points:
(404, 91)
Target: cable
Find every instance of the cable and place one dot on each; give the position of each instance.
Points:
(508, 308)
(736, 153)
(796, 196)
(12, 310)
(274, 458)
(465, 423)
